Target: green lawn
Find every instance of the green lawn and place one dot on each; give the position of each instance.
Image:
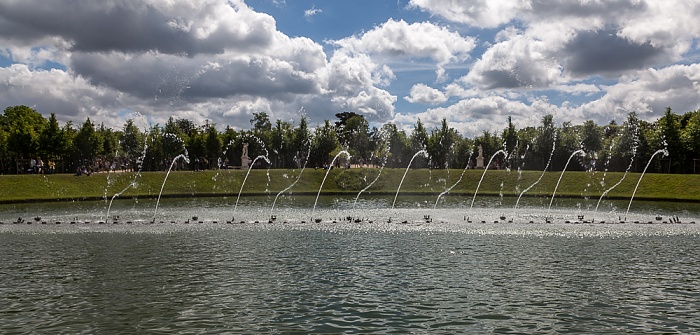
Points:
(17, 188)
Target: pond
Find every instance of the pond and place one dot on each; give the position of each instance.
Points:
(444, 276)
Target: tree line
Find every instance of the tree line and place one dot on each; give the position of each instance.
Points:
(26, 135)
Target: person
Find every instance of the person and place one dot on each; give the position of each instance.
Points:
(52, 167)
(40, 166)
(32, 165)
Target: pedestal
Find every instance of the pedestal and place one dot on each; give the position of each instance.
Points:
(480, 162)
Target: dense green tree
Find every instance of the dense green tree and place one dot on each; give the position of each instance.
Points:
(510, 139)
(301, 142)
(87, 143)
(324, 142)
(213, 144)
(669, 128)
(691, 136)
(356, 133)
(24, 126)
(545, 142)
(440, 144)
(419, 141)
(132, 144)
(261, 123)
(173, 140)
(52, 140)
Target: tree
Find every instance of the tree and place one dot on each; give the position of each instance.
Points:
(419, 141)
(24, 126)
(400, 149)
(510, 139)
(545, 141)
(324, 142)
(87, 143)
(340, 125)
(440, 144)
(173, 140)
(301, 143)
(132, 143)
(669, 128)
(691, 135)
(356, 133)
(261, 122)
(52, 140)
(212, 143)
(281, 141)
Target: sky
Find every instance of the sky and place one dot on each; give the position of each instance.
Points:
(472, 62)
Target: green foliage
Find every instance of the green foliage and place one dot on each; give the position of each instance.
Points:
(25, 133)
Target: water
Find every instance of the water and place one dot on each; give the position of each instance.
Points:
(246, 178)
(577, 152)
(355, 278)
(184, 157)
(484, 174)
(421, 152)
(347, 154)
(308, 154)
(455, 184)
(549, 161)
(662, 151)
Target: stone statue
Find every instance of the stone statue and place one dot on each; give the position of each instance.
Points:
(480, 158)
(245, 160)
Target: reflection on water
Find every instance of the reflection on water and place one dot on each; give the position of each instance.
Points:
(360, 278)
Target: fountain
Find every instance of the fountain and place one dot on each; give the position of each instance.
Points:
(549, 161)
(455, 184)
(384, 160)
(483, 174)
(343, 152)
(577, 152)
(421, 152)
(183, 156)
(139, 164)
(246, 178)
(308, 153)
(662, 151)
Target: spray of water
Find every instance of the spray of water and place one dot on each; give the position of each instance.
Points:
(577, 152)
(183, 156)
(295, 182)
(541, 175)
(246, 178)
(662, 151)
(386, 157)
(484, 174)
(422, 152)
(347, 154)
(455, 184)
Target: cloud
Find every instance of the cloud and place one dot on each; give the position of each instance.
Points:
(210, 59)
(605, 52)
(648, 92)
(394, 40)
(518, 62)
(473, 116)
(423, 94)
(171, 27)
(479, 13)
(311, 12)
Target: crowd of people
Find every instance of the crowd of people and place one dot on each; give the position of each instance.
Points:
(37, 166)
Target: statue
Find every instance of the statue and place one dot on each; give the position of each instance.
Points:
(245, 160)
(480, 158)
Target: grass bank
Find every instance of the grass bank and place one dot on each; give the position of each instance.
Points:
(23, 188)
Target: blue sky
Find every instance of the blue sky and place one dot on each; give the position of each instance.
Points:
(474, 63)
